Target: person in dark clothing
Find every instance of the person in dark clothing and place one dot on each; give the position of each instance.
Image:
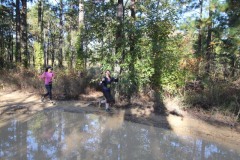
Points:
(106, 89)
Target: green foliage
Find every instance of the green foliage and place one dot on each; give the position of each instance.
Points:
(153, 49)
(38, 52)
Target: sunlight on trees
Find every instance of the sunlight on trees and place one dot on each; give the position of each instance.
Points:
(155, 45)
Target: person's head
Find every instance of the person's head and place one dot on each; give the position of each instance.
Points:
(108, 73)
(48, 69)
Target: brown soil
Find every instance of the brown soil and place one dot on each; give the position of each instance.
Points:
(194, 123)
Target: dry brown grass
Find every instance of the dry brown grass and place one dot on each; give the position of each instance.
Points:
(65, 85)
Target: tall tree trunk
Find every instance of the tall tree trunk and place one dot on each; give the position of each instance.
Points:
(60, 56)
(119, 34)
(52, 49)
(40, 20)
(80, 64)
(200, 29)
(40, 27)
(39, 12)
(132, 34)
(12, 29)
(48, 42)
(24, 33)
(209, 39)
(132, 50)
(199, 49)
(70, 49)
(45, 55)
(81, 13)
(9, 44)
(119, 29)
(18, 30)
(119, 42)
(1, 48)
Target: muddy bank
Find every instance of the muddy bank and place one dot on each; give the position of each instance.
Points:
(24, 104)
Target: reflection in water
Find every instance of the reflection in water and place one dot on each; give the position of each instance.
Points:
(62, 135)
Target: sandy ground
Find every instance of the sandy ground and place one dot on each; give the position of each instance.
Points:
(24, 104)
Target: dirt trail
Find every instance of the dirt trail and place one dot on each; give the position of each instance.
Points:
(24, 104)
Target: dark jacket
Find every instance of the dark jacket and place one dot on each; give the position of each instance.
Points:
(106, 83)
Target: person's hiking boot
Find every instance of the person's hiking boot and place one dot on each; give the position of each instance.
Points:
(42, 99)
(107, 109)
(51, 101)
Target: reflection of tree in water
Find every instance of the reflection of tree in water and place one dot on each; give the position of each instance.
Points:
(60, 135)
(13, 140)
(43, 142)
(50, 130)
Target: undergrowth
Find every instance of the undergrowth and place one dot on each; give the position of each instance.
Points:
(66, 85)
(220, 97)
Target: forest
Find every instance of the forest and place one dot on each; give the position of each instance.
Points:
(188, 49)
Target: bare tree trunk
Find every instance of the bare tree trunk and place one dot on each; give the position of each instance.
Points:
(119, 29)
(200, 29)
(1, 49)
(199, 49)
(24, 33)
(40, 26)
(209, 39)
(71, 51)
(119, 42)
(18, 30)
(81, 13)
(60, 58)
(81, 59)
(45, 48)
(119, 34)
(10, 50)
(39, 12)
(52, 49)
(11, 42)
(132, 50)
(48, 43)
(132, 35)
(81, 24)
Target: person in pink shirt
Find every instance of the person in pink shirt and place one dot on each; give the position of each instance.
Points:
(48, 77)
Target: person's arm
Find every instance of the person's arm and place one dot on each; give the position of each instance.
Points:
(42, 76)
(103, 79)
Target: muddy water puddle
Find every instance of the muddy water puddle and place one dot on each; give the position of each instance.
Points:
(63, 135)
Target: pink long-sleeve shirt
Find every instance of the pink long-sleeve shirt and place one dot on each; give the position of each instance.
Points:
(47, 76)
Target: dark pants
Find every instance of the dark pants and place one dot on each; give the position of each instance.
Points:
(49, 91)
(108, 96)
